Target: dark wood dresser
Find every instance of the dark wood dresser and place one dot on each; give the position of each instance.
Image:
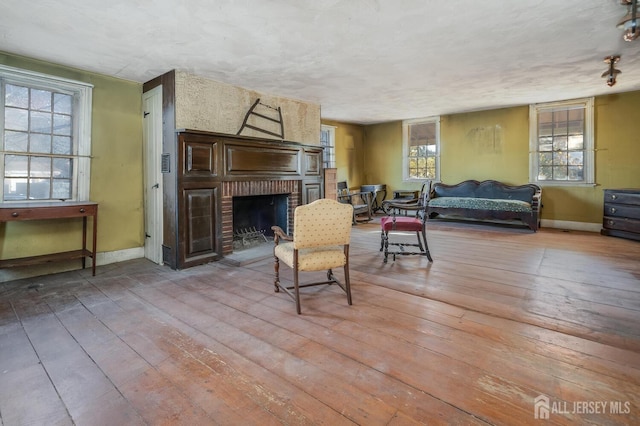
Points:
(621, 213)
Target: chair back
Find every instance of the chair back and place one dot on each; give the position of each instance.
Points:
(324, 222)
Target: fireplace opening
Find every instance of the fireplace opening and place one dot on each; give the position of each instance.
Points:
(253, 217)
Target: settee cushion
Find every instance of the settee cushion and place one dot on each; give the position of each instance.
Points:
(480, 204)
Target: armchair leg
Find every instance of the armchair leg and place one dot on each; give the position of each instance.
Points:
(276, 268)
(347, 281)
(296, 289)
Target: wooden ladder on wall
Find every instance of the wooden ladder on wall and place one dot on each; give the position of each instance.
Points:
(263, 116)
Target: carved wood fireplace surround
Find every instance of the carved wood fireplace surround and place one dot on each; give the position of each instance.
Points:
(210, 170)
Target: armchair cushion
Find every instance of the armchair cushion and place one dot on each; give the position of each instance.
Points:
(312, 259)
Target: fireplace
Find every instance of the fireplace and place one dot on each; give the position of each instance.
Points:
(253, 217)
(210, 170)
(259, 205)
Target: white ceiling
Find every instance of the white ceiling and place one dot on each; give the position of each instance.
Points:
(363, 61)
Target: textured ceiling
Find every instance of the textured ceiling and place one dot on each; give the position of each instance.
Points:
(363, 61)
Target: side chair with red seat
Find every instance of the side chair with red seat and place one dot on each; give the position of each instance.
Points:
(412, 221)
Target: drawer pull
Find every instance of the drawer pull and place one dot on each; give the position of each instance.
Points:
(614, 196)
(82, 210)
(611, 223)
(612, 209)
(15, 214)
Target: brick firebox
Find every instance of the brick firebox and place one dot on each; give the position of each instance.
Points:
(249, 188)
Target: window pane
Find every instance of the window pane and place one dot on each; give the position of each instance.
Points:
(546, 173)
(40, 122)
(576, 127)
(545, 124)
(576, 142)
(61, 145)
(16, 119)
(545, 144)
(560, 119)
(40, 143)
(560, 142)
(61, 189)
(576, 158)
(545, 158)
(40, 167)
(39, 189)
(575, 173)
(15, 189)
(62, 168)
(61, 124)
(560, 173)
(62, 103)
(16, 165)
(15, 141)
(41, 100)
(560, 158)
(16, 96)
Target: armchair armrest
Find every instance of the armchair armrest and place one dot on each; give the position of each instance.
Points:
(279, 234)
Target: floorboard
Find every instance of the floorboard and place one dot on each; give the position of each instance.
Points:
(501, 316)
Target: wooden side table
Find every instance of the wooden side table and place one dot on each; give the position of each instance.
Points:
(375, 190)
(10, 212)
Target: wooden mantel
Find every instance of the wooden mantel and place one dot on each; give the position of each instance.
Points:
(198, 219)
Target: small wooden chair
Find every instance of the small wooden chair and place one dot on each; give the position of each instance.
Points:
(360, 201)
(322, 232)
(395, 222)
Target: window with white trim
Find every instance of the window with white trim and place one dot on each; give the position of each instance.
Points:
(561, 143)
(328, 141)
(45, 146)
(421, 149)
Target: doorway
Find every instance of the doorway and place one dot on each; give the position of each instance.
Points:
(152, 140)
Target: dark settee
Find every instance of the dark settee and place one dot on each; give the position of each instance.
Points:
(487, 200)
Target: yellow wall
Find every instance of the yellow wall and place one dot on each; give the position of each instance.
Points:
(494, 144)
(350, 153)
(116, 173)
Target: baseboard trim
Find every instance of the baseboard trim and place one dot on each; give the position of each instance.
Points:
(103, 258)
(106, 258)
(570, 225)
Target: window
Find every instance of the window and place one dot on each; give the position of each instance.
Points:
(328, 141)
(46, 137)
(561, 142)
(421, 148)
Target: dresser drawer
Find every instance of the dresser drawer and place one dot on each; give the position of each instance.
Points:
(622, 210)
(622, 224)
(622, 197)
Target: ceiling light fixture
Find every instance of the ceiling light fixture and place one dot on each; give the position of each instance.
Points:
(611, 73)
(630, 21)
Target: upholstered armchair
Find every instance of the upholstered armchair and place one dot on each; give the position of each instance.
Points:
(322, 233)
(360, 201)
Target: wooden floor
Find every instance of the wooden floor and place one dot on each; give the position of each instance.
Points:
(502, 316)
